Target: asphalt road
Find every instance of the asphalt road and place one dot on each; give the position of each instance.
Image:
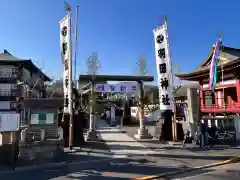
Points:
(226, 172)
(124, 168)
(109, 167)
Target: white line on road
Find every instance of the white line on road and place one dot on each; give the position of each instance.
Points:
(189, 177)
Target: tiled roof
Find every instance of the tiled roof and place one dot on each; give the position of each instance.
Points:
(228, 56)
(7, 58)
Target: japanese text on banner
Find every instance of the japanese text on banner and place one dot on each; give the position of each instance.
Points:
(65, 49)
(163, 64)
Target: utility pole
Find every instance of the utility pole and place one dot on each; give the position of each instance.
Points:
(76, 46)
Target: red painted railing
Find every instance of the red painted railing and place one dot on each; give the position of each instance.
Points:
(231, 107)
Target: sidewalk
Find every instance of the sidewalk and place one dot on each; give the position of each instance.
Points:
(120, 143)
(190, 149)
(91, 151)
(124, 146)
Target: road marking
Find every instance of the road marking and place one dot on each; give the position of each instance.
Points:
(201, 174)
(229, 161)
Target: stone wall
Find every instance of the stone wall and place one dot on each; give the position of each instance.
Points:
(39, 152)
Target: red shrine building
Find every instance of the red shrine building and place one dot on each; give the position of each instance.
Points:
(221, 107)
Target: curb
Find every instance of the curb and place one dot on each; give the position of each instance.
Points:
(163, 175)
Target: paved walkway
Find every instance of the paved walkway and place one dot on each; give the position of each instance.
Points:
(120, 143)
(176, 148)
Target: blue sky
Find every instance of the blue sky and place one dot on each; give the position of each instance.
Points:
(120, 31)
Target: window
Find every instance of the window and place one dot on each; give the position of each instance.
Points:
(4, 92)
(13, 86)
(14, 72)
(13, 93)
(226, 124)
(209, 98)
(13, 105)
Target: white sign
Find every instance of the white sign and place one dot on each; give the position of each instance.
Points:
(66, 56)
(9, 122)
(164, 70)
(119, 88)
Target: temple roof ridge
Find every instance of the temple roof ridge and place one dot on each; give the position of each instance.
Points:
(228, 56)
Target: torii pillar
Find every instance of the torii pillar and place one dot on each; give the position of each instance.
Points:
(142, 132)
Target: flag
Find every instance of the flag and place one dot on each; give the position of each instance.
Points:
(214, 64)
(164, 68)
(66, 55)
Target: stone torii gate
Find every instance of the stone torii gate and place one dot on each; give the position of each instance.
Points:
(142, 132)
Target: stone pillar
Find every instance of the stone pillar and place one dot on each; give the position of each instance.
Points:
(142, 132)
(23, 135)
(60, 133)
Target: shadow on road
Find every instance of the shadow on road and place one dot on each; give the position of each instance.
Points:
(125, 168)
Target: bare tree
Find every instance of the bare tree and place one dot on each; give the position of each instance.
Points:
(176, 69)
(142, 66)
(93, 64)
(39, 76)
(93, 67)
(177, 84)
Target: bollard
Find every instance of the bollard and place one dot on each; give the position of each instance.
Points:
(23, 135)
(43, 134)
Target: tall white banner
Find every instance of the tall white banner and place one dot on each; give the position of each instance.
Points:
(66, 56)
(164, 69)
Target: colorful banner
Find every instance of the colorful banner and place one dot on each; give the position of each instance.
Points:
(164, 69)
(66, 56)
(214, 64)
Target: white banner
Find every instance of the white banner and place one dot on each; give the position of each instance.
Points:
(66, 55)
(164, 70)
(118, 88)
(9, 122)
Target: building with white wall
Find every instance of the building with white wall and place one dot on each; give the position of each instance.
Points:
(19, 78)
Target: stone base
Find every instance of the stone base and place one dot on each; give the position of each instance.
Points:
(39, 152)
(142, 133)
(91, 135)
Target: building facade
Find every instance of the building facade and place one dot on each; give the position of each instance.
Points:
(220, 107)
(19, 79)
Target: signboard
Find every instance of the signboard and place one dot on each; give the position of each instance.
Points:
(116, 88)
(9, 122)
(66, 56)
(164, 69)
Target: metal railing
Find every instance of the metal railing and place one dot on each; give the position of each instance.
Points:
(221, 137)
(8, 92)
(8, 75)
